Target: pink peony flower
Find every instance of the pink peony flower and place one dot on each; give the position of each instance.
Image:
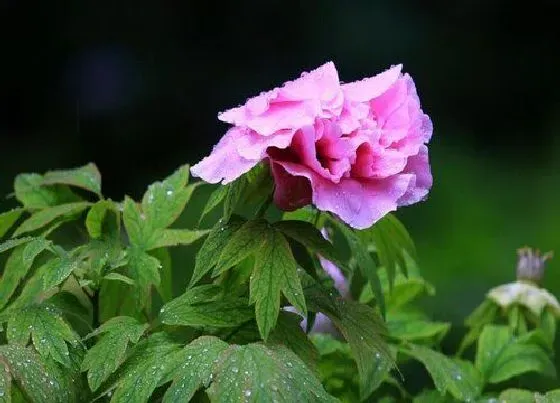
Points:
(357, 150)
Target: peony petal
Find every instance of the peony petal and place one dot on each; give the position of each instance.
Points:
(224, 163)
(419, 166)
(253, 146)
(370, 88)
(290, 192)
(296, 104)
(358, 203)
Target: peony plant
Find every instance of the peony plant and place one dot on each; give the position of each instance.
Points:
(304, 286)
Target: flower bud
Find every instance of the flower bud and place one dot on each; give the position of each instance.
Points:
(530, 264)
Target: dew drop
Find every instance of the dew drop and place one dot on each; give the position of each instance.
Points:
(235, 370)
(289, 364)
(247, 393)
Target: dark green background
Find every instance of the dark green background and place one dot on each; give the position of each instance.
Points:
(135, 86)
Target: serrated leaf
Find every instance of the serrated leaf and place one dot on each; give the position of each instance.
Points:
(13, 243)
(58, 270)
(143, 268)
(119, 277)
(210, 251)
(148, 363)
(288, 332)
(234, 192)
(164, 201)
(257, 373)
(244, 242)
(86, 177)
(139, 231)
(14, 271)
(459, 378)
(360, 252)
(118, 298)
(165, 286)
(195, 369)
(32, 249)
(32, 194)
(216, 197)
(77, 313)
(96, 216)
(362, 328)
(392, 243)
(310, 237)
(200, 306)
(175, 237)
(275, 271)
(118, 333)
(500, 356)
(48, 330)
(8, 219)
(41, 381)
(44, 217)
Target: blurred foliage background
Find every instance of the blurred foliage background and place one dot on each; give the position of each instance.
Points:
(135, 86)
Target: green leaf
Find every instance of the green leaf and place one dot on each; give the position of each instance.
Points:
(288, 332)
(209, 253)
(33, 249)
(165, 286)
(12, 243)
(175, 237)
(48, 330)
(32, 194)
(548, 325)
(310, 237)
(275, 271)
(118, 333)
(164, 201)
(216, 197)
(459, 378)
(118, 298)
(148, 363)
(8, 219)
(86, 177)
(58, 270)
(234, 193)
(518, 396)
(96, 216)
(197, 361)
(257, 373)
(119, 277)
(143, 268)
(14, 271)
(482, 315)
(363, 329)
(139, 231)
(244, 242)
(500, 356)
(5, 384)
(392, 243)
(41, 381)
(434, 396)
(360, 252)
(44, 217)
(77, 312)
(417, 330)
(200, 306)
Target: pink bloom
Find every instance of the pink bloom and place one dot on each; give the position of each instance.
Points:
(357, 150)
